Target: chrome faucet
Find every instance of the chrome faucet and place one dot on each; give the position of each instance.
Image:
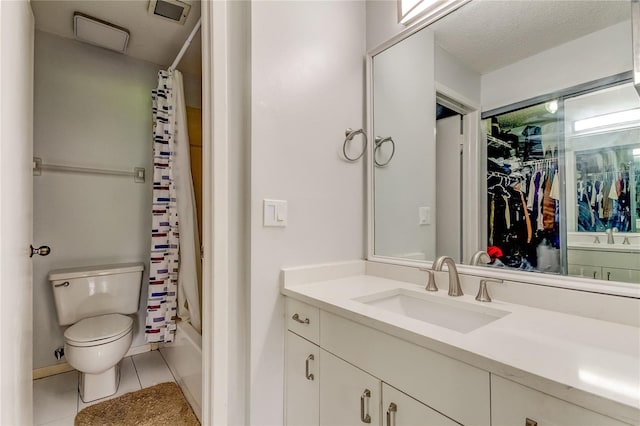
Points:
(609, 233)
(454, 279)
(431, 281)
(480, 256)
(483, 293)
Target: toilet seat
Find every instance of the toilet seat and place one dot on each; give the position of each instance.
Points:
(98, 330)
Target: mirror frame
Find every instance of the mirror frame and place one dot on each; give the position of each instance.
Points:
(474, 153)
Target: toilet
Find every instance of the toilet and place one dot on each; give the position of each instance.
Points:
(95, 302)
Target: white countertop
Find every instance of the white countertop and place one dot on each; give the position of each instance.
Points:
(592, 363)
(618, 247)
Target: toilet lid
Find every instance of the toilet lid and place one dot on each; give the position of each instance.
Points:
(104, 327)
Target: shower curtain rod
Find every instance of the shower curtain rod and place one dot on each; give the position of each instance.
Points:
(186, 45)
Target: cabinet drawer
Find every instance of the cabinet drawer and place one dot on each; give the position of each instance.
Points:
(513, 405)
(303, 319)
(453, 388)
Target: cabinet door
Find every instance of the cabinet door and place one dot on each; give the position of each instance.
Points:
(623, 275)
(586, 271)
(515, 405)
(301, 381)
(400, 409)
(348, 395)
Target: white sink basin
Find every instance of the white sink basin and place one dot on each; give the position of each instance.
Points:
(452, 314)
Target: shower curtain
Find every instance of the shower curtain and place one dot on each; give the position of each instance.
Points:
(175, 267)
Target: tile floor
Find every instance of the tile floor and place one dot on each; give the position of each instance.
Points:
(56, 400)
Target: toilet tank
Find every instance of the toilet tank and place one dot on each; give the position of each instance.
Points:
(96, 290)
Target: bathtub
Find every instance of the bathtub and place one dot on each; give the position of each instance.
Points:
(184, 358)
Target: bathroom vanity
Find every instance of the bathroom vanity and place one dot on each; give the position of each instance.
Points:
(362, 348)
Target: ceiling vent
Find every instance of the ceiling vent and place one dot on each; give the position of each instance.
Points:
(100, 33)
(172, 10)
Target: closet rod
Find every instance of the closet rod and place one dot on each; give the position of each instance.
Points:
(138, 173)
(542, 161)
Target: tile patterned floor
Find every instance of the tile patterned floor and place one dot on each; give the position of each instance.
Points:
(56, 400)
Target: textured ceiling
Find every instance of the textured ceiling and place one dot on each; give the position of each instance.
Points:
(152, 39)
(487, 35)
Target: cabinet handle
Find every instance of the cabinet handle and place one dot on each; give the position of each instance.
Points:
(529, 422)
(365, 418)
(391, 413)
(306, 367)
(594, 275)
(296, 318)
(609, 276)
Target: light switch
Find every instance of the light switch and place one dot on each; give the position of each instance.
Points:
(274, 213)
(424, 215)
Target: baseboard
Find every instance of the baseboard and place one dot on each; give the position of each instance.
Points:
(51, 370)
(63, 367)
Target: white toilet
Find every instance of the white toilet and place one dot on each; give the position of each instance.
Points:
(95, 301)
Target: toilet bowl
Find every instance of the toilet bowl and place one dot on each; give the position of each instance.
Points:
(94, 346)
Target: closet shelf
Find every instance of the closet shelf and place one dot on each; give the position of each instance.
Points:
(495, 141)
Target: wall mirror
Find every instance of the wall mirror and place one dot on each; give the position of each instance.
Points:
(510, 127)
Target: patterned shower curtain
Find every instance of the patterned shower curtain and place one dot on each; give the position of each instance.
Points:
(174, 267)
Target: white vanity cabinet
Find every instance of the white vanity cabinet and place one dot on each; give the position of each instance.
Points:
(604, 265)
(515, 405)
(433, 379)
(357, 374)
(353, 363)
(350, 396)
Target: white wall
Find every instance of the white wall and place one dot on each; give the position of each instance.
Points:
(600, 54)
(308, 78)
(92, 109)
(462, 83)
(382, 22)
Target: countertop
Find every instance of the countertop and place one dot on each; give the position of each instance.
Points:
(592, 363)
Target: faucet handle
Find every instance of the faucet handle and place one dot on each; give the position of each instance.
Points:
(596, 240)
(626, 240)
(431, 280)
(483, 293)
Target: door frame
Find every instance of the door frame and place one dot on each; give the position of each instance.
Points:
(226, 209)
(472, 170)
(16, 152)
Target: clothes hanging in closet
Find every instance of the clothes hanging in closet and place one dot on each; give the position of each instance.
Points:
(523, 201)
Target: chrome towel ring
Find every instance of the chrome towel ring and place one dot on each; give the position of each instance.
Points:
(379, 142)
(350, 133)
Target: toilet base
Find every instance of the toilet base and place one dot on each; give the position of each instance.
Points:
(96, 386)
